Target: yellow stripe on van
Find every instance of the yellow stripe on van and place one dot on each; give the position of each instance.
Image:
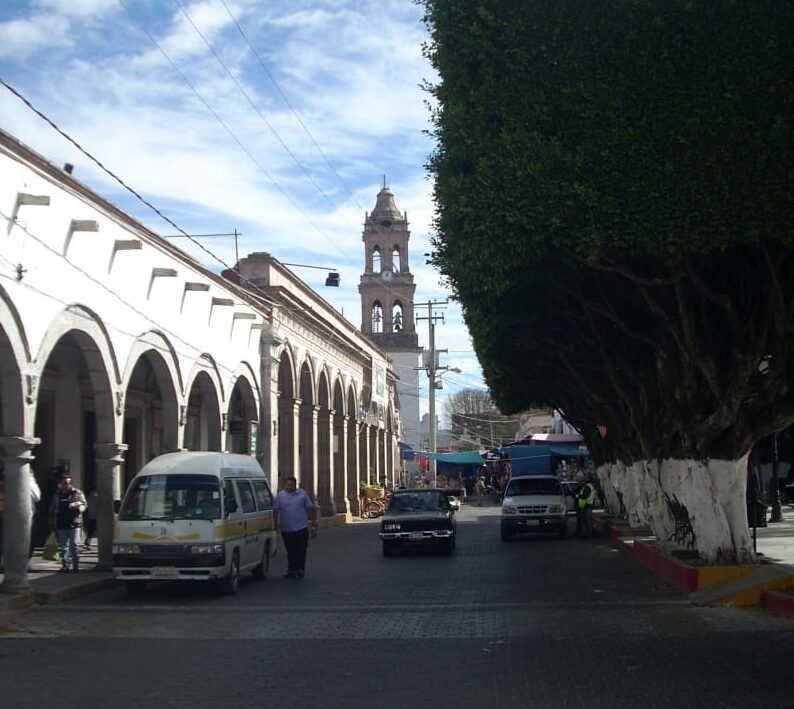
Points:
(142, 536)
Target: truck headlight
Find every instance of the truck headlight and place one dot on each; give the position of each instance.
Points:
(556, 509)
(206, 549)
(508, 510)
(126, 549)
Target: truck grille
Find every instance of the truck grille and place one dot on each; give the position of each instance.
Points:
(532, 509)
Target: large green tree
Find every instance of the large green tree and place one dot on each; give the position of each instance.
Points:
(614, 186)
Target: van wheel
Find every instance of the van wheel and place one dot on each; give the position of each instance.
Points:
(260, 571)
(136, 588)
(507, 535)
(230, 584)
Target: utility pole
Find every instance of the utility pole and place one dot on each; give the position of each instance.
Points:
(431, 366)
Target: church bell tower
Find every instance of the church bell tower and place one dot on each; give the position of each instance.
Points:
(387, 302)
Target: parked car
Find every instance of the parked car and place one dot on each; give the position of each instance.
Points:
(534, 503)
(418, 517)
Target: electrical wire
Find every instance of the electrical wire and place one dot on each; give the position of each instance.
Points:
(289, 105)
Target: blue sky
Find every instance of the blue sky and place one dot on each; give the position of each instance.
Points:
(275, 118)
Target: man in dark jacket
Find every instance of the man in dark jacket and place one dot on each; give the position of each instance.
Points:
(68, 505)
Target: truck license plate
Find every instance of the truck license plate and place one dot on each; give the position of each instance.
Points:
(165, 572)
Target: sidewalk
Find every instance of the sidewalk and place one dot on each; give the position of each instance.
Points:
(768, 583)
(49, 586)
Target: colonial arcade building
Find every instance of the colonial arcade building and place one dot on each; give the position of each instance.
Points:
(115, 347)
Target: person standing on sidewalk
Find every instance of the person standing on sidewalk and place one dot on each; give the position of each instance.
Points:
(68, 505)
(585, 499)
(295, 516)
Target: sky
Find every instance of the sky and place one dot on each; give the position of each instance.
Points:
(276, 118)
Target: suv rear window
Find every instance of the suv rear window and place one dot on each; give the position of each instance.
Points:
(533, 486)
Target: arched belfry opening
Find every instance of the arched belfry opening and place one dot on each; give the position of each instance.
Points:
(377, 317)
(377, 260)
(395, 260)
(397, 317)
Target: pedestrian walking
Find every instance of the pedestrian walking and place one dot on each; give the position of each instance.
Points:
(68, 505)
(585, 499)
(480, 490)
(295, 516)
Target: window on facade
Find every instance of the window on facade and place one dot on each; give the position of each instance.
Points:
(377, 317)
(397, 317)
(395, 260)
(376, 260)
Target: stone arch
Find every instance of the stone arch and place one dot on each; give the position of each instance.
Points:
(152, 386)
(307, 435)
(377, 259)
(288, 427)
(79, 404)
(324, 444)
(15, 418)
(396, 259)
(339, 447)
(242, 412)
(202, 414)
(91, 336)
(352, 450)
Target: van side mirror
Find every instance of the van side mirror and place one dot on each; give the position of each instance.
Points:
(230, 505)
(116, 506)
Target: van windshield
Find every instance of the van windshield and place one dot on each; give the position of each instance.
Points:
(533, 486)
(172, 497)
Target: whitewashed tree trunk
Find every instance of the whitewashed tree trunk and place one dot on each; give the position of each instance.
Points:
(631, 494)
(729, 483)
(606, 477)
(713, 493)
(655, 511)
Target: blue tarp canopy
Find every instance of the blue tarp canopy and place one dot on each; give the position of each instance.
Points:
(460, 458)
(406, 451)
(536, 460)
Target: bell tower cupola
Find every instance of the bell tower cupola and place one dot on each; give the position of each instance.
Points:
(387, 284)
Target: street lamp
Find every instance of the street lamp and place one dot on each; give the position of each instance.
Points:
(332, 280)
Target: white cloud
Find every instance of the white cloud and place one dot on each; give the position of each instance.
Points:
(352, 70)
(20, 38)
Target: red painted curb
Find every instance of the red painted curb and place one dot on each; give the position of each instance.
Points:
(778, 602)
(680, 576)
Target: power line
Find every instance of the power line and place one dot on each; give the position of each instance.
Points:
(289, 105)
(231, 133)
(258, 111)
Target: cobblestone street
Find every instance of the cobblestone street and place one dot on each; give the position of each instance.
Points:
(537, 622)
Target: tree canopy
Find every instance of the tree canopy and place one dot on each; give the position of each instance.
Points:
(613, 184)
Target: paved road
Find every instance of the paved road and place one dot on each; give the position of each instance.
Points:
(532, 623)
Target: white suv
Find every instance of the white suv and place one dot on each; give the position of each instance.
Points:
(534, 503)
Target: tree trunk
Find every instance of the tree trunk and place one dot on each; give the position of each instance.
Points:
(710, 494)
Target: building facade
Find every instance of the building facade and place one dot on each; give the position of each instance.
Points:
(115, 346)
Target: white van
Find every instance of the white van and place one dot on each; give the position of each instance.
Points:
(198, 516)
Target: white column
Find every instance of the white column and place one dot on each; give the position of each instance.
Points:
(109, 457)
(18, 512)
